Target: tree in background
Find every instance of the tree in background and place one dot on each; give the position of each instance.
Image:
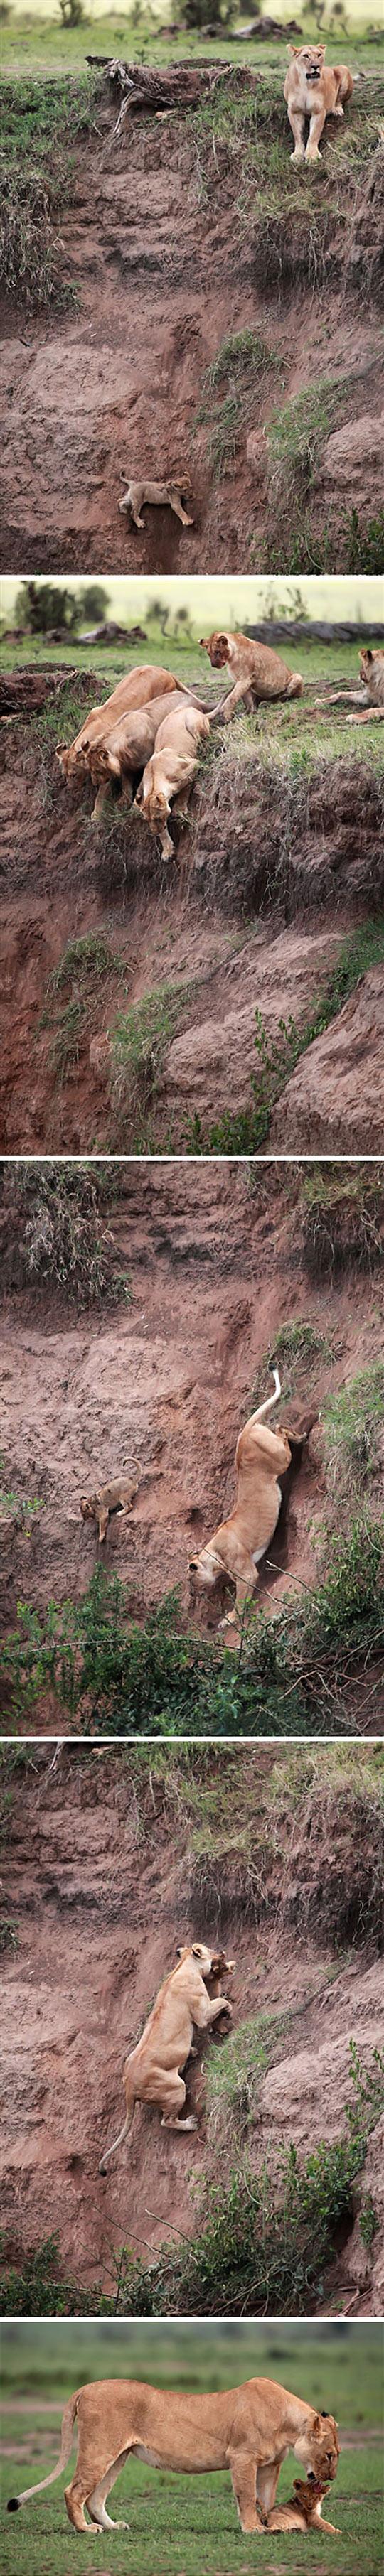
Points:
(93, 602)
(42, 606)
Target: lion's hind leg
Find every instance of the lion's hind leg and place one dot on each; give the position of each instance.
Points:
(96, 2502)
(173, 2096)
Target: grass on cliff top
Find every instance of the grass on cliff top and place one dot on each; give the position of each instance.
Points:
(41, 123)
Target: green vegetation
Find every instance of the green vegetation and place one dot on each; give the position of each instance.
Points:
(140, 1039)
(86, 963)
(248, 1129)
(296, 438)
(297, 1347)
(42, 120)
(309, 1663)
(263, 2245)
(240, 366)
(9, 1937)
(57, 1213)
(353, 1429)
(342, 1219)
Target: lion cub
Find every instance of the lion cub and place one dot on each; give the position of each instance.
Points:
(257, 672)
(312, 91)
(303, 2511)
(158, 496)
(109, 1499)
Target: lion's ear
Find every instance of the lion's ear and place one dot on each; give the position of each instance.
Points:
(196, 1949)
(294, 49)
(322, 50)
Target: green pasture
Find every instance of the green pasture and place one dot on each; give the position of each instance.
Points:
(286, 733)
(186, 2526)
(40, 43)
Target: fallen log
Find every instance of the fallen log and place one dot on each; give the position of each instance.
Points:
(179, 86)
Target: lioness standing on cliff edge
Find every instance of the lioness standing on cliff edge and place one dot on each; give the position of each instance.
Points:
(313, 91)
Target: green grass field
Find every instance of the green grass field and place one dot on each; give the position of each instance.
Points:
(183, 2526)
(287, 734)
(34, 43)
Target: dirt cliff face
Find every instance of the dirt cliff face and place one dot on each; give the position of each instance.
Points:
(216, 1272)
(104, 1876)
(273, 876)
(163, 268)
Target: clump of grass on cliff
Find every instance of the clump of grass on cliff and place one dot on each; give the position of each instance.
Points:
(58, 1217)
(278, 1055)
(342, 1219)
(228, 393)
(41, 120)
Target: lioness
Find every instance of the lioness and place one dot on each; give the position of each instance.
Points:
(171, 770)
(239, 1543)
(304, 2509)
(371, 667)
(158, 496)
(123, 752)
(247, 2430)
(372, 671)
(151, 2072)
(109, 1499)
(313, 91)
(146, 680)
(258, 673)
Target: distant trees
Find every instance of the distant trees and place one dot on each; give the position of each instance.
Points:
(44, 607)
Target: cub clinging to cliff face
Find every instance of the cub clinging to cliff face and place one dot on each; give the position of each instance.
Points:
(313, 90)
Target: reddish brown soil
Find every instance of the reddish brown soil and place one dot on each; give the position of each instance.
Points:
(162, 275)
(268, 880)
(101, 1896)
(216, 1270)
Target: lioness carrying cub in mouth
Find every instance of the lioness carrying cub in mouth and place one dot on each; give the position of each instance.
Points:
(247, 2430)
(152, 2071)
(313, 90)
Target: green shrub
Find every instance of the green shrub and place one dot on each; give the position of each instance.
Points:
(59, 1218)
(278, 1055)
(342, 1219)
(297, 1665)
(353, 1424)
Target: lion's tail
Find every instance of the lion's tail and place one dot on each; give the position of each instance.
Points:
(67, 2424)
(118, 2142)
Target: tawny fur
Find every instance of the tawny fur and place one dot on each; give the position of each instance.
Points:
(152, 2071)
(147, 680)
(108, 1499)
(241, 1541)
(124, 751)
(313, 90)
(248, 2430)
(258, 673)
(158, 496)
(372, 672)
(171, 770)
(304, 2509)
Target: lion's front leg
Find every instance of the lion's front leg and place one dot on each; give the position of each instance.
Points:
(267, 2479)
(246, 1584)
(243, 2475)
(297, 124)
(315, 130)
